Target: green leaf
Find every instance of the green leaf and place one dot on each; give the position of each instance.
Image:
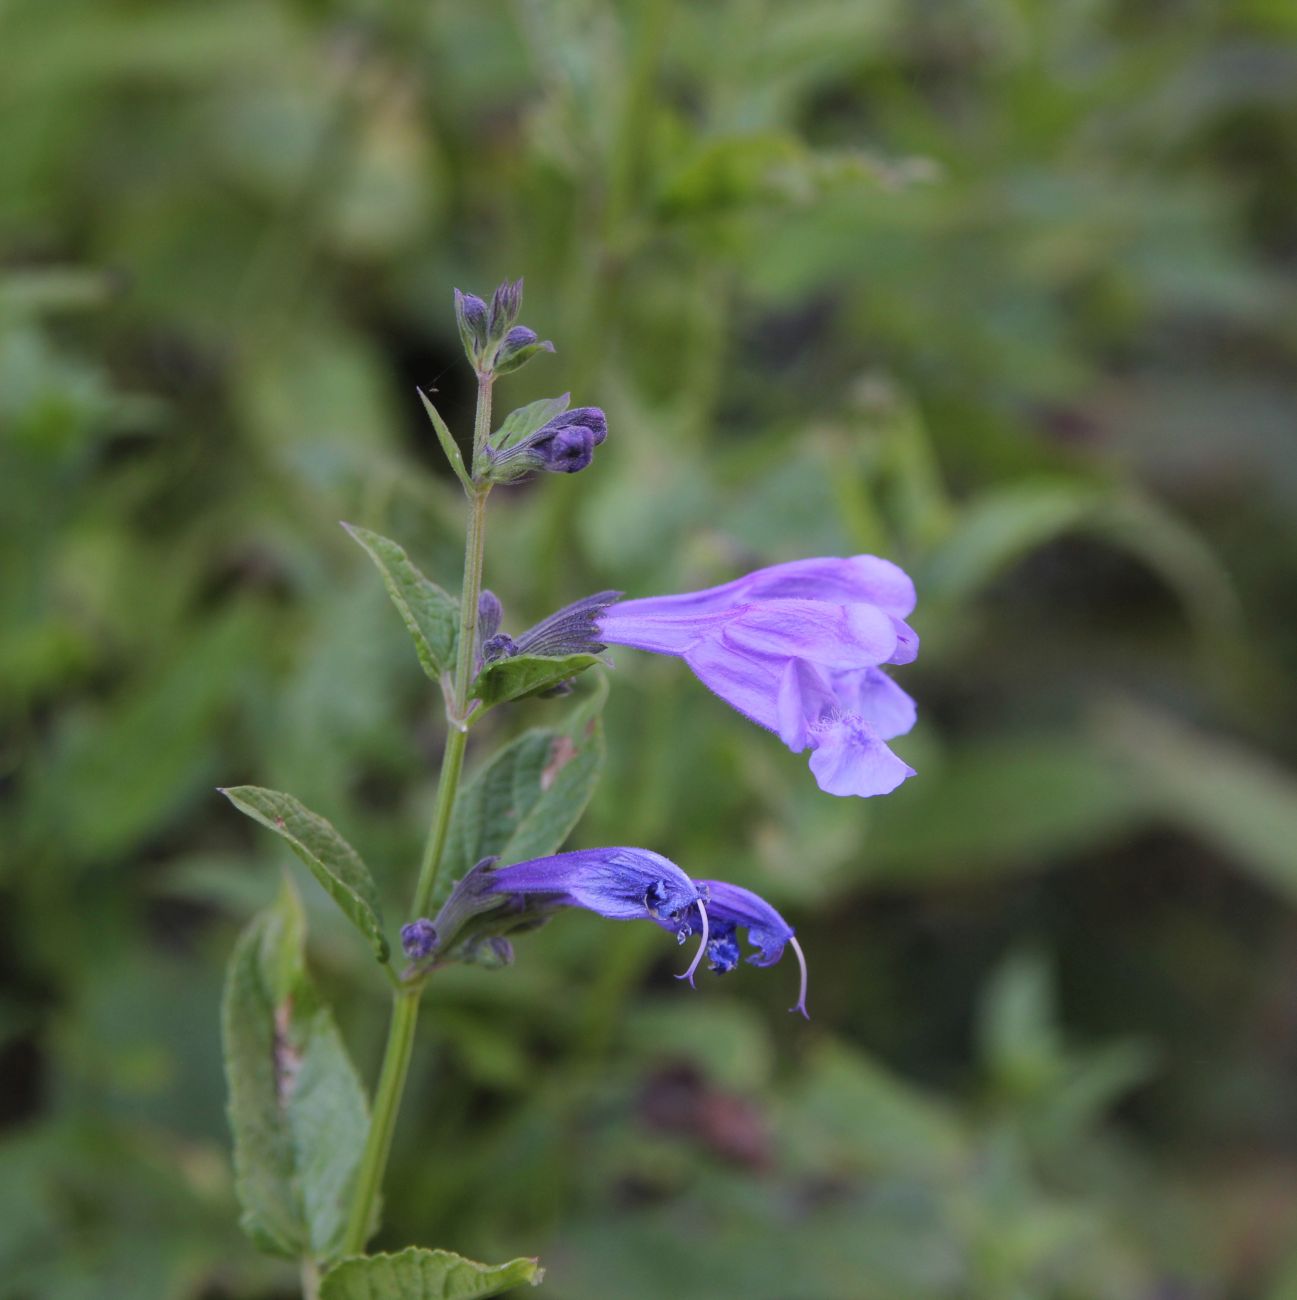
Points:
(418, 1274)
(525, 801)
(858, 1114)
(519, 675)
(1230, 796)
(1002, 803)
(333, 862)
(448, 445)
(1004, 524)
(431, 615)
(527, 419)
(296, 1106)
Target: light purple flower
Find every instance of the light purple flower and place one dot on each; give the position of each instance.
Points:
(799, 649)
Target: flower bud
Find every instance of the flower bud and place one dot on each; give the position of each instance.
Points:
(518, 347)
(489, 614)
(419, 939)
(506, 303)
(471, 316)
(563, 446)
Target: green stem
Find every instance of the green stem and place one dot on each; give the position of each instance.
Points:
(405, 1001)
(452, 763)
(387, 1101)
(310, 1280)
(457, 737)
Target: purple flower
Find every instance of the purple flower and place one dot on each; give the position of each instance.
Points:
(798, 648)
(629, 884)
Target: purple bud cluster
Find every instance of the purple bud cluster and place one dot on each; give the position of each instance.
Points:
(492, 340)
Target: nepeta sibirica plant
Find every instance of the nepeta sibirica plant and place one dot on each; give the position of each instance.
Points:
(799, 648)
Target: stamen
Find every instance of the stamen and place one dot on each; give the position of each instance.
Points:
(702, 948)
(801, 993)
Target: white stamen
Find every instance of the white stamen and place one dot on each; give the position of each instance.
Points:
(801, 993)
(702, 948)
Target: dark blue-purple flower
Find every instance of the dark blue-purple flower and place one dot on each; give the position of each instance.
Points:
(630, 884)
(799, 648)
(622, 884)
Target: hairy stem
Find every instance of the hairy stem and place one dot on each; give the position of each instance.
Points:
(405, 1001)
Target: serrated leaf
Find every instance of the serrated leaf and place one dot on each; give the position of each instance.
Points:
(527, 419)
(418, 1274)
(519, 675)
(430, 614)
(333, 862)
(525, 801)
(296, 1106)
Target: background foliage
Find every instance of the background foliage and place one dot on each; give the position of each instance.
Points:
(1002, 289)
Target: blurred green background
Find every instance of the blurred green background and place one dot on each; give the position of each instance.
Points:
(1001, 289)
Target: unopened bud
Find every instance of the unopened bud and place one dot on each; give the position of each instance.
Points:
(506, 303)
(518, 347)
(419, 939)
(489, 614)
(471, 315)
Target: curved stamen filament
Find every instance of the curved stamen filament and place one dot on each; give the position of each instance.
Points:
(801, 993)
(702, 948)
